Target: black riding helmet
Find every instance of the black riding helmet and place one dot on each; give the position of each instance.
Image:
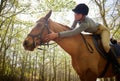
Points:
(81, 9)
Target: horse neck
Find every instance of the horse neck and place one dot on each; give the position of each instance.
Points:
(69, 44)
(57, 27)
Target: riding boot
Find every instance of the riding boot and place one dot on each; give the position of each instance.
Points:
(112, 58)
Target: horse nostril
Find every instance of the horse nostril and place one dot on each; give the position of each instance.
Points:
(25, 43)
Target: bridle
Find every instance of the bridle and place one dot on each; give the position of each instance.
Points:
(39, 35)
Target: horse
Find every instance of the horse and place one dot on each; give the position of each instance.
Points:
(88, 65)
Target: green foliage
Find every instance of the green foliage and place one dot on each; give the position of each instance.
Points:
(59, 5)
(16, 64)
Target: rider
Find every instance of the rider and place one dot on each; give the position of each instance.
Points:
(88, 25)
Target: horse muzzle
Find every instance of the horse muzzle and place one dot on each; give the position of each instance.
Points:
(28, 46)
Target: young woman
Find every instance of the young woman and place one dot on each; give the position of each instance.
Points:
(88, 25)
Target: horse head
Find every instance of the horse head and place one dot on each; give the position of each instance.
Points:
(38, 33)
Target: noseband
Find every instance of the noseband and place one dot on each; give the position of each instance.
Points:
(39, 36)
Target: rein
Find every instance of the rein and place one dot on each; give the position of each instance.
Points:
(39, 36)
(89, 47)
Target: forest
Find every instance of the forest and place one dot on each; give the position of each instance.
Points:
(17, 18)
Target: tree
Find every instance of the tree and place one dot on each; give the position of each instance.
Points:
(109, 14)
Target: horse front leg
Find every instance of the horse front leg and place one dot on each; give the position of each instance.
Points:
(84, 72)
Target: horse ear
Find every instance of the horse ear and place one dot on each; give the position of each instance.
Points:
(48, 15)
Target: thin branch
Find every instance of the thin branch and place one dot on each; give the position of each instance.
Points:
(2, 5)
(8, 9)
(114, 8)
(10, 17)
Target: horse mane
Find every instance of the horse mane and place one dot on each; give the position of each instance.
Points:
(58, 27)
(67, 27)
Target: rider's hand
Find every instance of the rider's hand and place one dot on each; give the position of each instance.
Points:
(51, 36)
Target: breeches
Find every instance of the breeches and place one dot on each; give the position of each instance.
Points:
(105, 37)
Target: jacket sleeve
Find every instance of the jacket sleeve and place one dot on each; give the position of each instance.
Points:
(78, 30)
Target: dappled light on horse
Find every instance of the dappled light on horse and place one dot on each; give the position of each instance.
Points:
(89, 66)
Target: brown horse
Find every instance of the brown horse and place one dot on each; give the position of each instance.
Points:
(88, 66)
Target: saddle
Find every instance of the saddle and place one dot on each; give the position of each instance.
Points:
(98, 44)
(113, 44)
